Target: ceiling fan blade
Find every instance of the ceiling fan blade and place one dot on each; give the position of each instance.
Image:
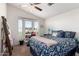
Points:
(34, 3)
(38, 8)
(49, 4)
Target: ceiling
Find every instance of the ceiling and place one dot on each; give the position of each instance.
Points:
(48, 11)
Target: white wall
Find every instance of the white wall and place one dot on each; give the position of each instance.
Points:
(68, 21)
(2, 13)
(13, 14)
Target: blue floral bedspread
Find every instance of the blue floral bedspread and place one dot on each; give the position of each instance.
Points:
(62, 48)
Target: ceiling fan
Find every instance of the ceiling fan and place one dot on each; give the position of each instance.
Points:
(36, 7)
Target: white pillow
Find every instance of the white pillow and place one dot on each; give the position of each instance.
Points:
(54, 34)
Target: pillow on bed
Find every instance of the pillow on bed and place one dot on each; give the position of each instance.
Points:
(55, 34)
(73, 34)
(61, 34)
(69, 34)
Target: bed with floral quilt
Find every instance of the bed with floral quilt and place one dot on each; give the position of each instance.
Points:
(63, 47)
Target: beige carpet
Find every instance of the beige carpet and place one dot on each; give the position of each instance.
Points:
(21, 50)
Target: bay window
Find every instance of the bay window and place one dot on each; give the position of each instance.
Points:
(27, 26)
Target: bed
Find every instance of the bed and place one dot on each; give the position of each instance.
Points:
(63, 47)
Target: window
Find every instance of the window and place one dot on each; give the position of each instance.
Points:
(36, 25)
(20, 27)
(28, 24)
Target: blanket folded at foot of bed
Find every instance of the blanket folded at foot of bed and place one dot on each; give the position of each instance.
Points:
(47, 41)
